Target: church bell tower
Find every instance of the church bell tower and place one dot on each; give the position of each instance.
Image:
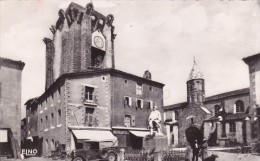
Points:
(195, 86)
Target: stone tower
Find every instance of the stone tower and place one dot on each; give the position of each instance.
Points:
(83, 39)
(195, 86)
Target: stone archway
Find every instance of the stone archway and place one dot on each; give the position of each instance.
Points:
(193, 133)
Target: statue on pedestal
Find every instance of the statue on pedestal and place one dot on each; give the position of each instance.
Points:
(155, 121)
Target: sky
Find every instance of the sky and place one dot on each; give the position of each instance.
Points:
(160, 36)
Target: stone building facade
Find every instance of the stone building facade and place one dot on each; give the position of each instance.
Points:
(253, 63)
(10, 106)
(106, 99)
(85, 95)
(222, 118)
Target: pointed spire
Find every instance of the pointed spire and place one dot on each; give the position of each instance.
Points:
(195, 72)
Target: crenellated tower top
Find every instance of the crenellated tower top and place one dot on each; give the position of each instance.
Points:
(83, 39)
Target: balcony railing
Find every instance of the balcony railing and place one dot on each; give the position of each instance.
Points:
(90, 99)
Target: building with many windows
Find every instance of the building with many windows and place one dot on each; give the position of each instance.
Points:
(86, 98)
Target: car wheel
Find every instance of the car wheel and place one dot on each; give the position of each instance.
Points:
(111, 157)
(77, 159)
(104, 154)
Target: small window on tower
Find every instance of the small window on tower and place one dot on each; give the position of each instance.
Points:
(89, 93)
(192, 121)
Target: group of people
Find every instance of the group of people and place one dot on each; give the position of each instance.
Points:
(197, 148)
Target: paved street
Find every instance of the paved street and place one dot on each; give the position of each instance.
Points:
(223, 156)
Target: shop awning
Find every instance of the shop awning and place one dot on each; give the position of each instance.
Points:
(94, 135)
(140, 133)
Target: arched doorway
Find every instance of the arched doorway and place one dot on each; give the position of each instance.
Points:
(193, 133)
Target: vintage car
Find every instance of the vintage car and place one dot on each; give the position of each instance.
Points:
(95, 150)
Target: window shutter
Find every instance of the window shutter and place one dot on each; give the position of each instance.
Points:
(82, 92)
(173, 116)
(133, 120)
(124, 101)
(151, 105)
(130, 101)
(0, 89)
(142, 103)
(234, 108)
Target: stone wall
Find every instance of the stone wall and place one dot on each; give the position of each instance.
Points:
(10, 96)
(126, 86)
(102, 93)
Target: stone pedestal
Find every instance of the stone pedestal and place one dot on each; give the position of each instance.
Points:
(158, 141)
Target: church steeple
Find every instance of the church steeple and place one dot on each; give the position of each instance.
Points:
(195, 86)
(195, 72)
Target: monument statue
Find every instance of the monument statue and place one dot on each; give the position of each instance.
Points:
(155, 121)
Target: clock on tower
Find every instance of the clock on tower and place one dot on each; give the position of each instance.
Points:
(98, 40)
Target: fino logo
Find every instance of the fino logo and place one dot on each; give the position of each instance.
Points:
(29, 151)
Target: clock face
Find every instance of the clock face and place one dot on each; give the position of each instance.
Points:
(98, 41)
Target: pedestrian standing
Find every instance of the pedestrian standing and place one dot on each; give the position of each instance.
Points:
(204, 149)
(195, 150)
